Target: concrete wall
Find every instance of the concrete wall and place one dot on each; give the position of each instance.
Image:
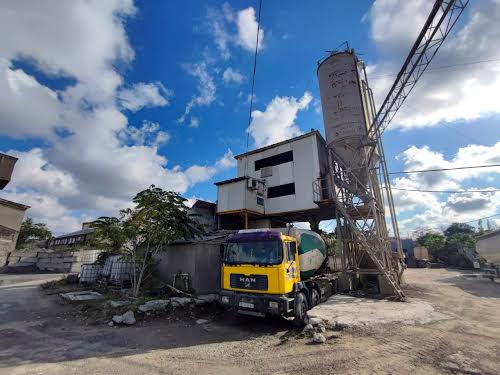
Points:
(11, 217)
(200, 259)
(55, 261)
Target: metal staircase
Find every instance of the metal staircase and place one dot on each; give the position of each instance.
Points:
(361, 227)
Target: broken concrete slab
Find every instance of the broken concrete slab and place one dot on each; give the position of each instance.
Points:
(315, 321)
(154, 305)
(180, 301)
(345, 312)
(318, 338)
(128, 318)
(116, 304)
(208, 298)
(81, 296)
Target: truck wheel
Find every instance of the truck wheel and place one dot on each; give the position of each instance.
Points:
(315, 298)
(299, 309)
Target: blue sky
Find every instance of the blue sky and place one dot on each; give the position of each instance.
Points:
(101, 99)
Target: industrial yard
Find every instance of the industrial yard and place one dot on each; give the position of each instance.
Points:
(39, 335)
(249, 187)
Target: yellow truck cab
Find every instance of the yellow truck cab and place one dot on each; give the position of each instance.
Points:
(261, 276)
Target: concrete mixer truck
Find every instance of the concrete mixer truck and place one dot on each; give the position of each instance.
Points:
(275, 272)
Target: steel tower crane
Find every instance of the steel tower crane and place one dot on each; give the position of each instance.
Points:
(360, 212)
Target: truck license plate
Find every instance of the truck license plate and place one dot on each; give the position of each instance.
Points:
(247, 305)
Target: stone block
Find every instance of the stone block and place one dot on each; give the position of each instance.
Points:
(14, 259)
(43, 255)
(70, 259)
(29, 259)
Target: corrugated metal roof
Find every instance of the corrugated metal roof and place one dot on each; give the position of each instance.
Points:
(77, 233)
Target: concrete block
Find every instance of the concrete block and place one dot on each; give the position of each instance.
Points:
(14, 259)
(70, 259)
(44, 261)
(25, 253)
(29, 259)
(57, 261)
(43, 255)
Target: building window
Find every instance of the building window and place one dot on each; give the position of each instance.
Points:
(266, 172)
(281, 190)
(278, 159)
(260, 200)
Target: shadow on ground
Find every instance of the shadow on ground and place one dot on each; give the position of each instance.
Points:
(35, 328)
(477, 286)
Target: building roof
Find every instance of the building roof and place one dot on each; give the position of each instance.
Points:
(203, 204)
(77, 233)
(311, 133)
(230, 181)
(18, 206)
(489, 234)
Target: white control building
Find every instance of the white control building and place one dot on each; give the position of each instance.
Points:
(277, 184)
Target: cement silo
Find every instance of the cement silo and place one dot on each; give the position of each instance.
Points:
(347, 108)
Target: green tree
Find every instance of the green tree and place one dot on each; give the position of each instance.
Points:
(158, 218)
(31, 232)
(459, 228)
(434, 242)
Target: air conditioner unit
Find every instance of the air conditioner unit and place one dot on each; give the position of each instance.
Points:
(252, 184)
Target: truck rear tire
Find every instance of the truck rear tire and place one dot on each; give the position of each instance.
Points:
(299, 309)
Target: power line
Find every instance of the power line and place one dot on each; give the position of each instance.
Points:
(250, 107)
(440, 68)
(448, 191)
(446, 169)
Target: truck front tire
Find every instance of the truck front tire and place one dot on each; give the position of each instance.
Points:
(299, 309)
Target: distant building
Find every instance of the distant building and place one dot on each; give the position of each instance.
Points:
(72, 239)
(407, 245)
(11, 218)
(205, 214)
(278, 184)
(7, 163)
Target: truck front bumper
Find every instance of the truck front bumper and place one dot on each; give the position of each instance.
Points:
(257, 304)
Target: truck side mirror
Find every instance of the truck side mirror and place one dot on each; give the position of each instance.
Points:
(293, 247)
(222, 248)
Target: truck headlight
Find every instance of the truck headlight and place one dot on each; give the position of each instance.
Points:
(273, 305)
(224, 299)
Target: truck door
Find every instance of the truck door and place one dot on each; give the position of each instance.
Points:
(292, 268)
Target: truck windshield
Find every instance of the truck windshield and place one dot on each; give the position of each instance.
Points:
(254, 252)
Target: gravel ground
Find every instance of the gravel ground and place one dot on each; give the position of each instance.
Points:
(39, 335)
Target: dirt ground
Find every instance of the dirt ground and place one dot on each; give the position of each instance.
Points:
(39, 335)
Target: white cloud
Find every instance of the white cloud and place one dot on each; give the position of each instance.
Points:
(194, 122)
(148, 134)
(142, 95)
(437, 210)
(230, 27)
(206, 88)
(277, 122)
(231, 75)
(92, 161)
(197, 174)
(247, 30)
(17, 89)
(454, 90)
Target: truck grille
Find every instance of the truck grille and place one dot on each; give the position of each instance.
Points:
(253, 282)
